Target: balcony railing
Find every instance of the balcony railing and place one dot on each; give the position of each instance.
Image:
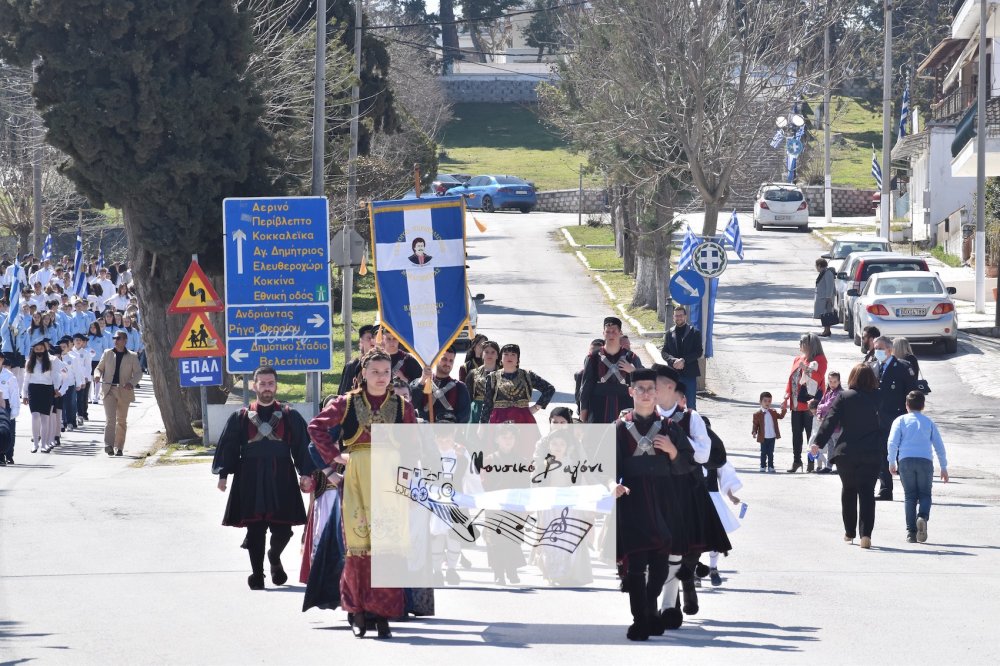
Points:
(953, 105)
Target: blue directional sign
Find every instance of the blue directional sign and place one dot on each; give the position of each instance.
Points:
(200, 371)
(687, 287)
(794, 147)
(277, 254)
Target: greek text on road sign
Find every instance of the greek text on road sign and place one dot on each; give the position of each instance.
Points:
(198, 338)
(277, 253)
(710, 259)
(200, 371)
(195, 294)
(687, 287)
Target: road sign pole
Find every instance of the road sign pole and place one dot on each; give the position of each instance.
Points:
(205, 437)
(246, 390)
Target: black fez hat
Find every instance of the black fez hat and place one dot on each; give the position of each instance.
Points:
(643, 375)
(613, 320)
(665, 371)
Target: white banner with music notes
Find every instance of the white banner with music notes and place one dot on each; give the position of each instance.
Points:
(523, 506)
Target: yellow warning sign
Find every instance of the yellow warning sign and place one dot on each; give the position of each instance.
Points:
(198, 338)
(195, 294)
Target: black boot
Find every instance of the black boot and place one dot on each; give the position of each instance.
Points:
(278, 543)
(796, 466)
(672, 618)
(256, 581)
(382, 627)
(359, 627)
(639, 630)
(810, 468)
(690, 597)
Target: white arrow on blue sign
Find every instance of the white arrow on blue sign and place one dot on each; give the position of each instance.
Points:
(277, 254)
(687, 287)
(200, 371)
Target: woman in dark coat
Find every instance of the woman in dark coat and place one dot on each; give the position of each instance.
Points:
(858, 453)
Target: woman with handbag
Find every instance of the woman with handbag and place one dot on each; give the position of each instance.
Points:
(826, 290)
(805, 382)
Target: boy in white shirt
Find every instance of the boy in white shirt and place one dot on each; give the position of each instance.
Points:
(10, 399)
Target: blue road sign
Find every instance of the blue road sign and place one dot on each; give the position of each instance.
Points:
(794, 147)
(277, 254)
(687, 287)
(200, 371)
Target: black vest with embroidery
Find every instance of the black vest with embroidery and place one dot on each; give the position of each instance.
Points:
(359, 416)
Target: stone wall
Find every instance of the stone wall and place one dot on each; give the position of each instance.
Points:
(494, 89)
(846, 202)
(567, 201)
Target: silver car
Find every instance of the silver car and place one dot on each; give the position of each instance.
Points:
(912, 304)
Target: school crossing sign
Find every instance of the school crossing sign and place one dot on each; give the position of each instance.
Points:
(277, 252)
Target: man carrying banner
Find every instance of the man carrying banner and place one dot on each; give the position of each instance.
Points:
(366, 340)
(404, 365)
(446, 394)
(349, 419)
(604, 386)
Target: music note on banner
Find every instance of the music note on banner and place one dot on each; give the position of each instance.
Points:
(565, 532)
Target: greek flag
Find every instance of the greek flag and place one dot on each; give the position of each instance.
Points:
(13, 321)
(876, 169)
(420, 271)
(47, 248)
(686, 259)
(100, 258)
(904, 112)
(732, 235)
(791, 162)
(778, 138)
(79, 277)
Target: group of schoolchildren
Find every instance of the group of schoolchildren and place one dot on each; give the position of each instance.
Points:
(50, 349)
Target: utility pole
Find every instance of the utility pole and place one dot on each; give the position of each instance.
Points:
(885, 204)
(352, 185)
(827, 182)
(579, 200)
(36, 175)
(314, 379)
(981, 166)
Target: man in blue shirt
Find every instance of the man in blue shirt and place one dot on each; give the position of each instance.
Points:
(912, 437)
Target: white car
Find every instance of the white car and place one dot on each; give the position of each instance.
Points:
(780, 205)
(845, 245)
(912, 304)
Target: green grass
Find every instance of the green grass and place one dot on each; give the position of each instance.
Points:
(939, 253)
(510, 139)
(623, 286)
(292, 386)
(851, 154)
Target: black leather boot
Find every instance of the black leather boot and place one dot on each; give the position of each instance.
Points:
(639, 630)
(690, 597)
(796, 466)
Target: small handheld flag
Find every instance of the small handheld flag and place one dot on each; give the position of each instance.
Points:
(47, 248)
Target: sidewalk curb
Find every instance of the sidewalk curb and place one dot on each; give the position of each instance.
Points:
(569, 238)
(634, 323)
(604, 285)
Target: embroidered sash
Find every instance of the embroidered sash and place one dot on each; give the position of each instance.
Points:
(643, 443)
(612, 371)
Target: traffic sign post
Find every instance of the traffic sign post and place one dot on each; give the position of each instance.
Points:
(277, 255)
(686, 287)
(200, 372)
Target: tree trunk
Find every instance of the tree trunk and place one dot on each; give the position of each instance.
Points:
(156, 284)
(477, 41)
(616, 218)
(449, 34)
(22, 239)
(541, 49)
(711, 217)
(628, 231)
(662, 246)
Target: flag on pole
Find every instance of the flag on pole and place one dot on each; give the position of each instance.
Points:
(876, 169)
(904, 112)
(79, 277)
(47, 248)
(100, 258)
(778, 139)
(686, 259)
(13, 320)
(732, 235)
(791, 161)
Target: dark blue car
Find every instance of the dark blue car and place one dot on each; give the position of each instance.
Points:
(490, 193)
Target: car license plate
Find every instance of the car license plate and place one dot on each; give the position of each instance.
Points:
(782, 217)
(911, 312)
(520, 191)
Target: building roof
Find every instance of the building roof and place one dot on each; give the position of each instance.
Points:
(940, 55)
(912, 145)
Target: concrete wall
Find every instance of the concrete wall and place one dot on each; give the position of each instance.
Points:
(567, 201)
(498, 89)
(846, 202)
(940, 193)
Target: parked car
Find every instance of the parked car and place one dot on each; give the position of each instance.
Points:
(851, 243)
(780, 205)
(913, 304)
(490, 193)
(444, 182)
(856, 269)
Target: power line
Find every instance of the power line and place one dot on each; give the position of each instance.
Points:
(425, 24)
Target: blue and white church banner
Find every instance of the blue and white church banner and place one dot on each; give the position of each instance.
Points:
(420, 276)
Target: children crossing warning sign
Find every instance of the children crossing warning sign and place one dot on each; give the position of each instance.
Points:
(198, 338)
(195, 294)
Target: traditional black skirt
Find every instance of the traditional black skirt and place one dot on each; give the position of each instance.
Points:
(41, 398)
(265, 487)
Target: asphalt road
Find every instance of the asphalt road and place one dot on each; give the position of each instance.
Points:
(103, 563)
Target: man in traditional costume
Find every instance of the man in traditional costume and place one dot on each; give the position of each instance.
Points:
(604, 386)
(348, 378)
(349, 418)
(446, 393)
(262, 446)
(404, 365)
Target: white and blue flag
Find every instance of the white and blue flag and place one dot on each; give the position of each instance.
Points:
(420, 276)
(79, 276)
(876, 169)
(732, 235)
(904, 113)
(791, 162)
(100, 258)
(12, 323)
(686, 260)
(47, 248)
(777, 139)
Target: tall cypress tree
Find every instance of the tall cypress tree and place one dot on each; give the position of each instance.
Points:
(148, 99)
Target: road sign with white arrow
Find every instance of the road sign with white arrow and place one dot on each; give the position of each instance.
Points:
(277, 254)
(200, 371)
